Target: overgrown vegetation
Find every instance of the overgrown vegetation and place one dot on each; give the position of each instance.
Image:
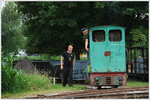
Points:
(16, 83)
(14, 80)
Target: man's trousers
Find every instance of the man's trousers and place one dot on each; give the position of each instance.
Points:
(67, 75)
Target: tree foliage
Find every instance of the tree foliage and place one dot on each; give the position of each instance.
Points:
(51, 26)
(12, 37)
(140, 37)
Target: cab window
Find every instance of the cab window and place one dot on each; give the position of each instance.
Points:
(115, 35)
(98, 36)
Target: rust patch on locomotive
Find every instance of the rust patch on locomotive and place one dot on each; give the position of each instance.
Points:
(107, 53)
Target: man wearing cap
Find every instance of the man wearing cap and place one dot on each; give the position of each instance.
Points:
(68, 67)
(86, 33)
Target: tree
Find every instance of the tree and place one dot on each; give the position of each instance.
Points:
(140, 37)
(54, 25)
(12, 37)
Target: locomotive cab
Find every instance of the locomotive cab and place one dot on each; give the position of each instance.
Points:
(107, 56)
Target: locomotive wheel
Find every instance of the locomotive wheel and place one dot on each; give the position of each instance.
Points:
(115, 86)
(99, 87)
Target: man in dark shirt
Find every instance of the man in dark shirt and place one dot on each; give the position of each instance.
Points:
(68, 66)
(86, 33)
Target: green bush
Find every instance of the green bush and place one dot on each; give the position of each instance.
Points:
(37, 81)
(15, 80)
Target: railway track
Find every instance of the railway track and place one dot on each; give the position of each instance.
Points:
(115, 93)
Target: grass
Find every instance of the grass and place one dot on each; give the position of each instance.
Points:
(134, 83)
(14, 80)
(131, 83)
(55, 57)
(31, 58)
(57, 88)
(44, 57)
(39, 57)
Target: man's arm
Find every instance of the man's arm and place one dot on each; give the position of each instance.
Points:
(86, 44)
(61, 62)
(73, 63)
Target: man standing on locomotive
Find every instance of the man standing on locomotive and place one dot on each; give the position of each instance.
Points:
(68, 67)
(86, 33)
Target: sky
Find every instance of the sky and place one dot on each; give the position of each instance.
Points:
(2, 3)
